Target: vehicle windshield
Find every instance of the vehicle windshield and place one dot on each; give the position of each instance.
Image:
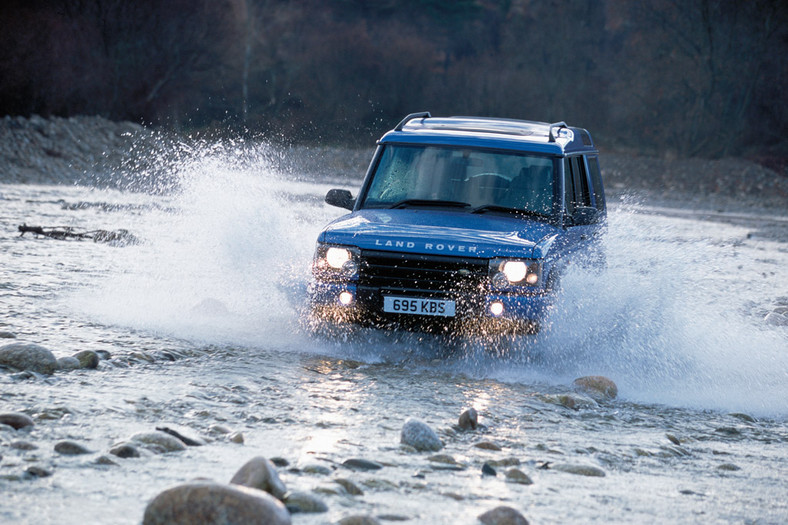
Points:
(462, 178)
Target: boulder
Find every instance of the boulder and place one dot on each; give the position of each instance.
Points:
(16, 420)
(599, 388)
(420, 436)
(469, 420)
(503, 516)
(259, 473)
(210, 503)
(25, 356)
(87, 359)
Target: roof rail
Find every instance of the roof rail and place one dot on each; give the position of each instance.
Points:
(551, 136)
(412, 116)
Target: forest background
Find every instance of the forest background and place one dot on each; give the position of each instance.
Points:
(673, 78)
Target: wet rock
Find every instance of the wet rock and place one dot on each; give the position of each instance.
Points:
(320, 470)
(487, 445)
(488, 470)
(673, 439)
(219, 429)
(361, 464)
(730, 467)
(358, 520)
(87, 359)
(213, 503)
(7, 335)
(505, 462)
(280, 462)
(350, 487)
(600, 388)
(304, 502)
(158, 440)
(442, 458)
(776, 319)
(579, 470)
(68, 363)
(236, 437)
(35, 471)
(744, 417)
(469, 420)
(105, 460)
(420, 436)
(103, 355)
(16, 420)
(71, 448)
(23, 445)
(28, 357)
(574, 401)
(503, 516)
(515, 475)
(259, 473)
(125, 450)
(186, 440)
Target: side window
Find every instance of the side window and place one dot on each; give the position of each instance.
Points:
(596, 180)
(569, 187)
(576, 188)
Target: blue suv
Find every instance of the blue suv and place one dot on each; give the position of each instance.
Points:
(462, 223)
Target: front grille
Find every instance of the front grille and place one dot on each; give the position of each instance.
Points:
(427, 273)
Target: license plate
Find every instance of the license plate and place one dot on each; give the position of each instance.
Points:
(418, 306)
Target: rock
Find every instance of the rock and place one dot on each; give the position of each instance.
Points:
(503, 516)
(443, 458)
(104, 355)
(87, 359)
(321, 470)
(219, 429)
(744, 417)
(515, 475)
(68, 363)
(259, 473)
(776, 319)
(488, 470)
(420, 436)
(362, 464)
(358, 520)
(166, 442)
(186, 440)
(599, 388)
(29, 357)
(730, 467)
(34, 471)
(23, 445)
(105, 460)
(236, 437)
(487, 445)
(7, 335)
(16, 420)
(125, 450)
(580, 470)
(350, 487)
(505, 462)
(573, 401)
(469, 420)
(280, 462)
(304, 502)
(216, 504)
(70, 448)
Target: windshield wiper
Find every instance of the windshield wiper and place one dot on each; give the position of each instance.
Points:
(427, 202)
(505, 209)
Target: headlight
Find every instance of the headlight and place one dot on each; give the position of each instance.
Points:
(335, 262)
(507, 273)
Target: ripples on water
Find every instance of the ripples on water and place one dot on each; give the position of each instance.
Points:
(676, 320)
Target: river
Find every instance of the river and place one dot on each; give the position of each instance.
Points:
(204, 322)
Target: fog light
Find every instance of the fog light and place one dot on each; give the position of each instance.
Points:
(496, 308)
(345, 298)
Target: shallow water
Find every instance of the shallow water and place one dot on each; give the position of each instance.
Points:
(676, 320)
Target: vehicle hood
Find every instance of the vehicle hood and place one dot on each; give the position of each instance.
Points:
(442, 233)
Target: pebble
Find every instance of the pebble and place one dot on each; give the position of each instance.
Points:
(487, 470)
(487, 445)
(729, 467)
(361, 464)
(16, 420)
(71, 448)
(580, 470)
(186, 440)
(7, 335)
(503, 516)
(505, 462)
(515, 475)
(160, 439)
(600, 388)
(321, 470)
(28, 357)
(125, 450)
(219, 429)
(236, 437)
(104, 355)
(442, 458)
(304, 502)
(358, 520)
(87, 359)
(23, 445)
(207, 502)
(573, 401)
(259, 473)
(420, 436)
(68, 363)
(469, 420)
(34, 471)
(350, 487)
(105, 460)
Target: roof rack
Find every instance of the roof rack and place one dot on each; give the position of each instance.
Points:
(552, 136)
(412, 116)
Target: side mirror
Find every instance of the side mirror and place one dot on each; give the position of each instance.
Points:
(585, 216)
(341, 199)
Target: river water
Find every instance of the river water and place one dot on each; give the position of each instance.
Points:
(203, 320)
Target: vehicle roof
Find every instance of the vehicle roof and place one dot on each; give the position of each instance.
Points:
(521, 135)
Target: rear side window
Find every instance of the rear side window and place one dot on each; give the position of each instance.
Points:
(596, 181)
(576, 191)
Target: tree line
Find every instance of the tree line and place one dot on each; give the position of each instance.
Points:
(678, 77)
